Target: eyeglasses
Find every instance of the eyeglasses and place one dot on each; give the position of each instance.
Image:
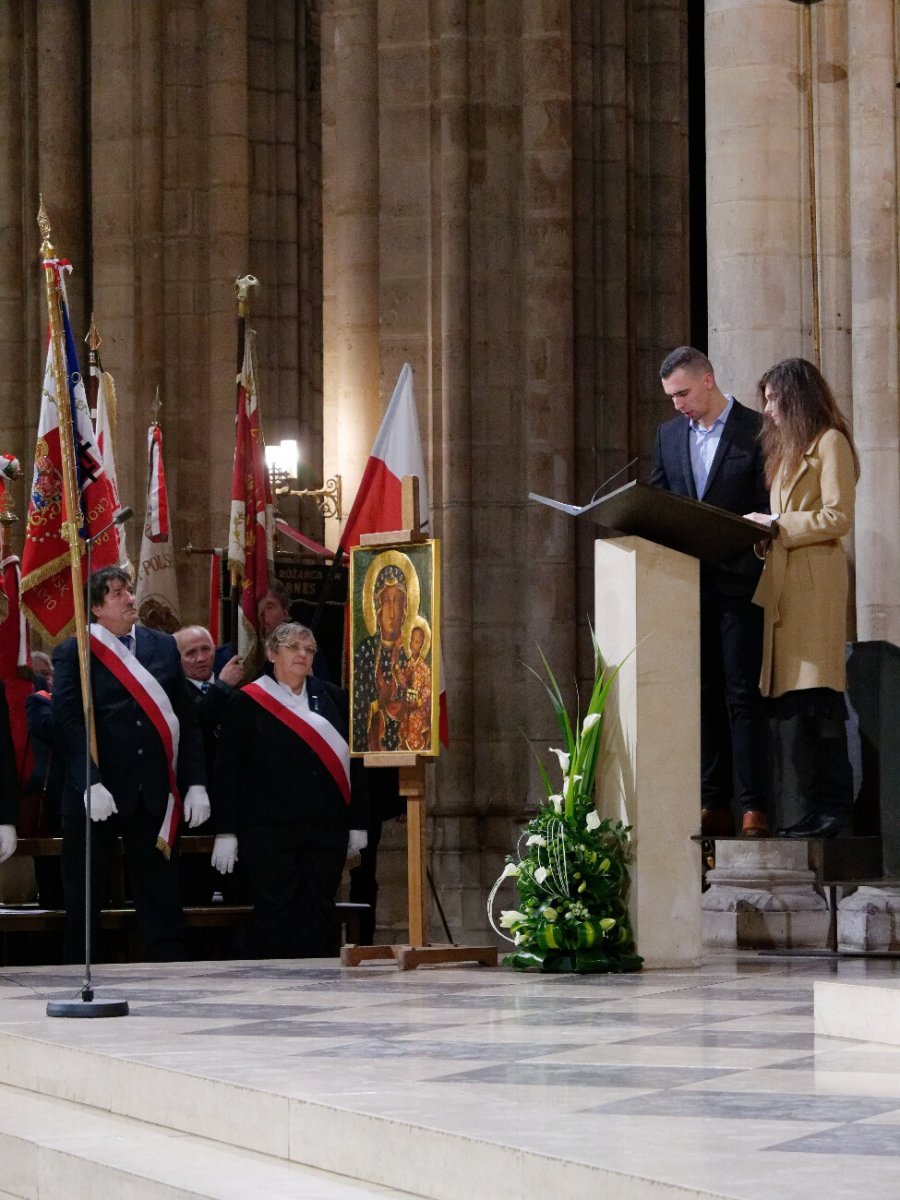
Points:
(294, 646)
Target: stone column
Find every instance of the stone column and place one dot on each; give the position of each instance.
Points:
(454, 483)
(59, 140)
(126, 194)
(227, 249)
(872, 141)
(15, 409)
(548, 334)
(350, 206)
(759, 295)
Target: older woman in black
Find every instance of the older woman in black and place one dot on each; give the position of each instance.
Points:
(284, 800)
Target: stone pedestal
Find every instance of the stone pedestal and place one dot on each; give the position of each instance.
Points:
(869, 919)
(762, 894)
(647, 601)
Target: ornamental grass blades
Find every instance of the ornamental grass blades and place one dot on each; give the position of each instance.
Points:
(571, 867)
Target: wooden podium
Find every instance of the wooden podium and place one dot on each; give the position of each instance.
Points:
(417, 952)
(647, 617)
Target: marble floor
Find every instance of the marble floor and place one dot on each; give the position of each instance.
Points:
(468, 1082)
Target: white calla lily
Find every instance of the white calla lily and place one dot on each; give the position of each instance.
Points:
(562, 756)
(593, 820)
(510, 871)
(535, 839)
(540, 874)
(557, 801)
(510, 917)
(589, 722)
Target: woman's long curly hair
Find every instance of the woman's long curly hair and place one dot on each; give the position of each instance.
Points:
(806, 408)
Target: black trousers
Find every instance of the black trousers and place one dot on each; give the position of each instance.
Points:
(812, 762)
(153, 882)
(293, 874)
(733, 727)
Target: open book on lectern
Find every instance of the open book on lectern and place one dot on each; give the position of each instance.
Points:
(682, 524)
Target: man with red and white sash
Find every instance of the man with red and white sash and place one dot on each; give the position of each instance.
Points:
(150, 774)
(288, 799)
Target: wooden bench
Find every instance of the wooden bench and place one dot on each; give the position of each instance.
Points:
(42, 928)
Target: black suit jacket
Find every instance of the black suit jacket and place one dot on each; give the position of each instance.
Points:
(267, 775)
(736, 483)
(210, 709)
(129, 750)
(9, 794)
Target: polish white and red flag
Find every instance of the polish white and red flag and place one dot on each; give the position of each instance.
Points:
(156, 588)
(378, 506)
(103, 385)
(46, 584)
(251, 542)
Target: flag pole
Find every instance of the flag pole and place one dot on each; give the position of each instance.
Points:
(243, 288)
(88, 1006)
(95, 370)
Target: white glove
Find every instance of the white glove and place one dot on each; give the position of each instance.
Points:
(359, 839)
(224, 854)
(8, 842)
(196, 806)
(102, 803)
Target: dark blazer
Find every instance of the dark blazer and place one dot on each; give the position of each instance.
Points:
(130, 753)
(267, 775)
(9, 792)
(210, 709)
(736, 483)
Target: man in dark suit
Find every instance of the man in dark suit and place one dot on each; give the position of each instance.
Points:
(210, 692)
(9, 795)
(148, 749)
(711, 452)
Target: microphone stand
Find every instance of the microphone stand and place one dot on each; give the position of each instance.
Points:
(89, 1005)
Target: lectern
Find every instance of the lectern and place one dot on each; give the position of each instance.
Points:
(647, 607)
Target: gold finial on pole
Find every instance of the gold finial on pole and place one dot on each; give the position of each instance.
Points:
(156, 406)
(43, 221)
(92, 337)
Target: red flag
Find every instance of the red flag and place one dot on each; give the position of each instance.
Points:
(15, 659)
(378, 505)
(103, 385)
(250, 541)
(46, 594)
(308, 543)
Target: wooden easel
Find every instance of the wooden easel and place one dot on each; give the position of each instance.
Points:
(417, 952)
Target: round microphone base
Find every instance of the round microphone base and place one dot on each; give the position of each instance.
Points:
(87, 1008)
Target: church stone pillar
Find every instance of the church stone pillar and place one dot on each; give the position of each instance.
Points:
(14, 413)
(872, 141)
(350, 231)
(227, 245)
(548, 336)
(59, 137)
(759, 296)
(126, 112)
(452, 499)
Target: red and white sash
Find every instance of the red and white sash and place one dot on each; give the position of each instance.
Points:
(152, 698)
(318, 733)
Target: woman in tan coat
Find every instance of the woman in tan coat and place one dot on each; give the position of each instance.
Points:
(811, 469)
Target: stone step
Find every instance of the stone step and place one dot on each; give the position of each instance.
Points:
(127, 1110)
(56, 1149)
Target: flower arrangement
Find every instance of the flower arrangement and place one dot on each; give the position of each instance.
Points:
(571, 867)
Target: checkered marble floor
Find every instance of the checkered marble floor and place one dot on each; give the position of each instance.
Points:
(706, 1082)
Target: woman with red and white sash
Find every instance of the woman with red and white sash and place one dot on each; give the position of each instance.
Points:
(287, 800)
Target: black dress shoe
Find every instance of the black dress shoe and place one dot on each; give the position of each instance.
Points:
(798, 827)
(817, 825)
